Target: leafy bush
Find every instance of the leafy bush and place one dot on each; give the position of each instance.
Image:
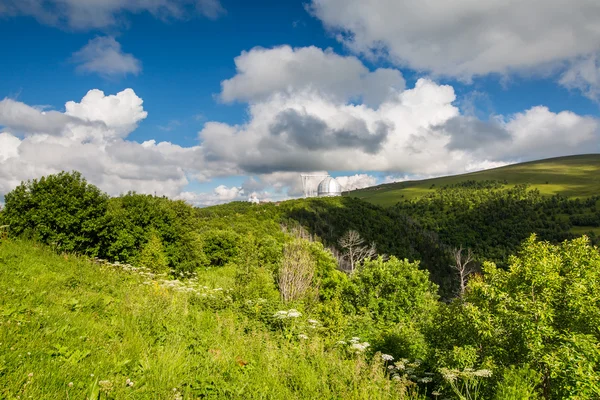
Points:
(391, 291)
(63, 210)
(542, 312)
(220, 247)
(519, 384)
(153, 255)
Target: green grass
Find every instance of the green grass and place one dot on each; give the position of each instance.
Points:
(572, 176)
(64, 319)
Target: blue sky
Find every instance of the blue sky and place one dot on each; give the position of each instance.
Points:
(458, 89)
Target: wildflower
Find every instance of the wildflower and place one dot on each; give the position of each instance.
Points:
(425, 380)
(483, 373)
(341, 342)
(28, 353)
(105, 386)
(359, 347)
(293, 313)
(391, 367)
(396, 377)
(387, 357)
(128, 381)
(70, 384)
(313, 322)
(30, 375)
(449, 374)
(302, 336)
(281, 314)
(355, 340)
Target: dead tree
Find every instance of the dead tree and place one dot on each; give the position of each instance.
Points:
(297, 271)
(464, 266)
(354, 250)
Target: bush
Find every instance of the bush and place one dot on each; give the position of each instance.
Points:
(519, 384)
(63, 210)
(153, 255)
(391, 291)
(220, 247)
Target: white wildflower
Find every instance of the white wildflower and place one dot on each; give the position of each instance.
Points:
(302, 336)
(313, 322)
(70, 384)
(281, 314)
(425, 380)
(359, 347)
(483, 373)
(294, 313)
(387, 357)
(341, 342)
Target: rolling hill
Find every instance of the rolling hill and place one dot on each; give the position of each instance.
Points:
(571, 176)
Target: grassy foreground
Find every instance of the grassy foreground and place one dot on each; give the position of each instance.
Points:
(571, 176)
(73, 329)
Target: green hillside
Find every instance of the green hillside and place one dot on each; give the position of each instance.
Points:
(571, 176)
(275, 301)
(74, 329)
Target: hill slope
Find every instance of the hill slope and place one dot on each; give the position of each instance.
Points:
(571, 176)
(70, 328)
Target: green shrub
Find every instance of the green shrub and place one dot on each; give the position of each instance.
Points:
(519, 384)
(153, 255)
(63, 210)
(220, 247)
(391, 291)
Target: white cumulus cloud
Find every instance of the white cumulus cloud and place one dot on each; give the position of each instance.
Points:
(464, 38)
(103, 56)
(262, 72)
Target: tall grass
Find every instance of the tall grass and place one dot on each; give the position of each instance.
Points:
(73, 329)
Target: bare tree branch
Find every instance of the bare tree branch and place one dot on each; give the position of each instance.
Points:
(464, 266)
(354, 250)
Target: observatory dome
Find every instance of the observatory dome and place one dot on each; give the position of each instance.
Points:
(329, 187)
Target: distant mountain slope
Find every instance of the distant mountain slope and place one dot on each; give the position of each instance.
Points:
(571, 176)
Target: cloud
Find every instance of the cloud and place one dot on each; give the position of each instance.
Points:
(415, 132)
(262, 72)
(470, 133)
(220, 194)
(357, 181)
(90, 137)
(103, 56)
(94, 14)
(312, 133)
(584, 74)
(464, 38)
(27, 119)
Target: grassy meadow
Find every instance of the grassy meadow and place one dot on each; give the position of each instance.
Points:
(571, 176)
(74, 329)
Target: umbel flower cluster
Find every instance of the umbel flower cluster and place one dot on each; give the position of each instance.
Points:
(186, 283)
(354, 345)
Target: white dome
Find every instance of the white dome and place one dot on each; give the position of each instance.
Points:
(329, 187)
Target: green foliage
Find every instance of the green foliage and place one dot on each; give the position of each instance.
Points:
(153, 255)
(83, 330)
(62, 210)
(130, 217)
(519, 384)
(542, 311)
(220, 247)
(391, 291)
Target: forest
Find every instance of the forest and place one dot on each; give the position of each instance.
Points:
(472, 291)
